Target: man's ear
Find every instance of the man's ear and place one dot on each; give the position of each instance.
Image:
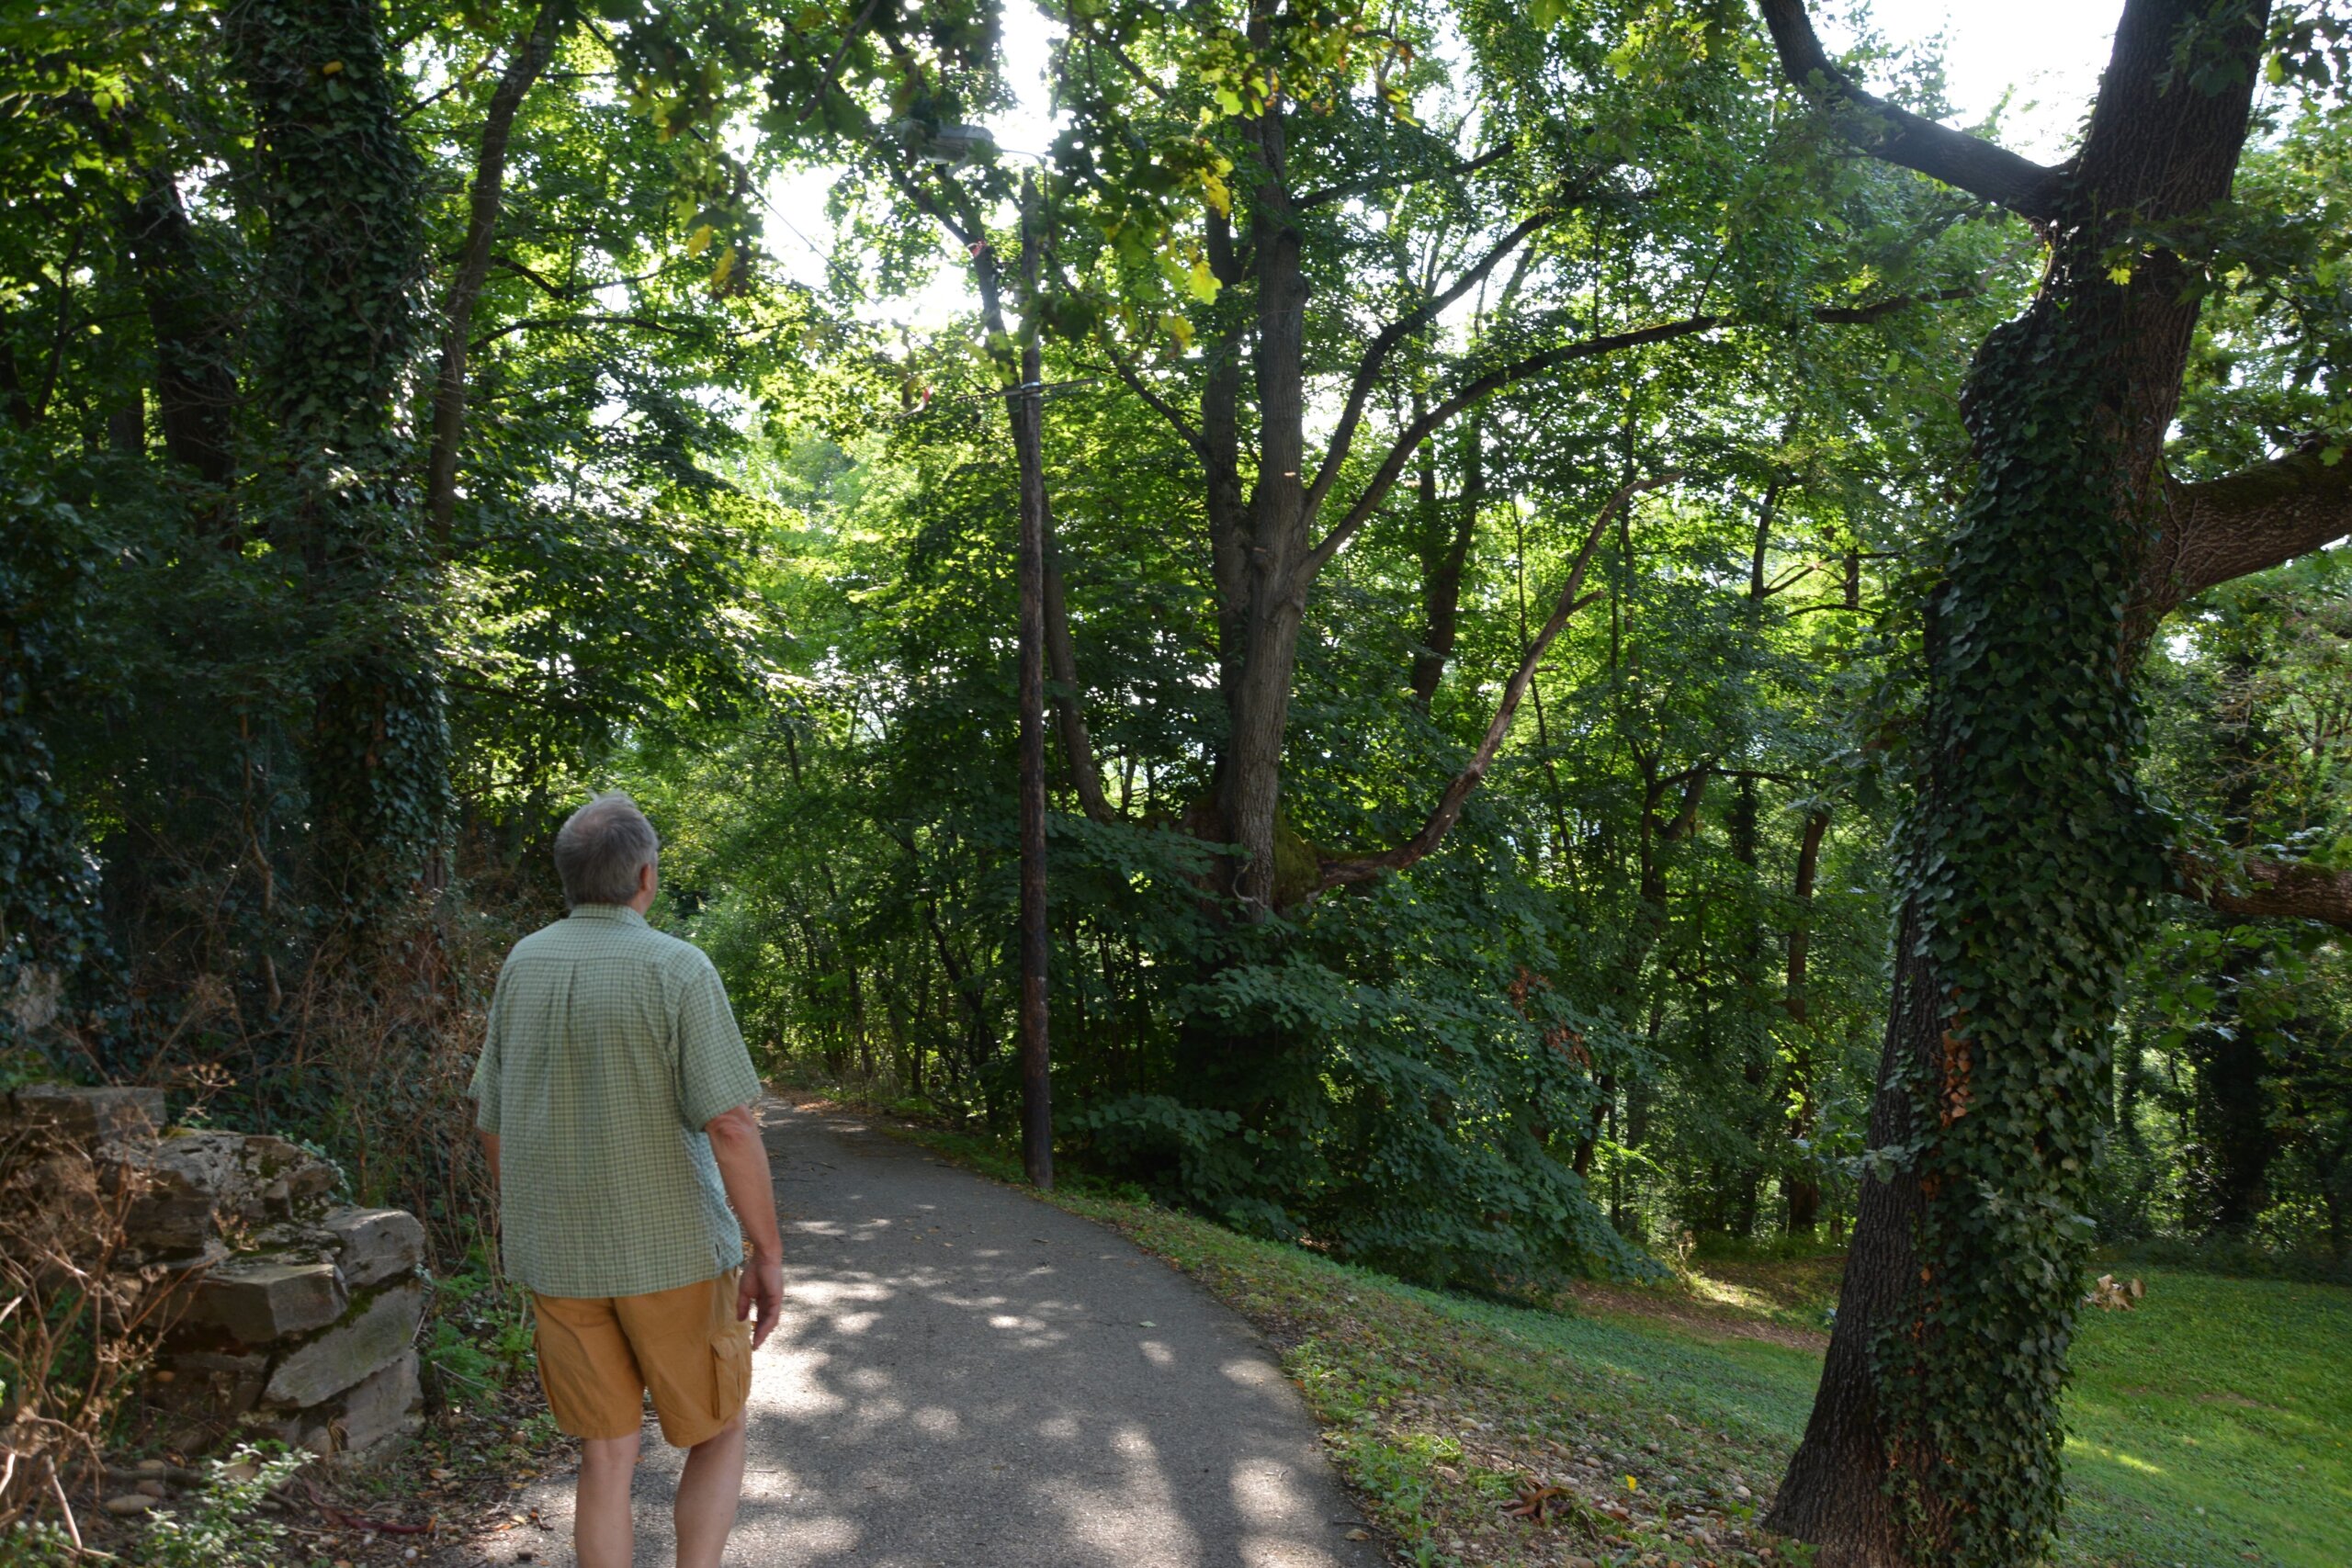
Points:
(645, 877)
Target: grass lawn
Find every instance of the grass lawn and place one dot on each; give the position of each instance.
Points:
(2214, 1424)
(2210, 1425)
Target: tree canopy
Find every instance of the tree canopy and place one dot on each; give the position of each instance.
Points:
(1642, 637)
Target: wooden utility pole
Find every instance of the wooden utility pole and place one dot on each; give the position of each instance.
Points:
(1028, 419)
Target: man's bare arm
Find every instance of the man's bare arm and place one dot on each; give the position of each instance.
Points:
(751, 1191)
(490, 1153)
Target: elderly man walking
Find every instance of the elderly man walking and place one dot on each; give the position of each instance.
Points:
(616, 1105)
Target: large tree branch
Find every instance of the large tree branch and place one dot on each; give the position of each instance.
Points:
(541, 323)
(1899, 136)
(1384, 478)
(1420, 429)
(1879, 310)
(582, 290)
(1128, 373)
(2247, 522)
(833, 66)
(1391, 179)
(1362, 868)
(531, 54)
(1375, 358)
(2268, 889)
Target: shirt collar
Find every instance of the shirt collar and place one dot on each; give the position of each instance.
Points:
(620, 912)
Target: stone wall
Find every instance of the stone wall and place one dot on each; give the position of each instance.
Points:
(287, 1315)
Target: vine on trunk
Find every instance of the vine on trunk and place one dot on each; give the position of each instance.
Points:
(2028, 863)
(346, 258)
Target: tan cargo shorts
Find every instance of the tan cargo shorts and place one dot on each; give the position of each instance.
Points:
(599, 1356)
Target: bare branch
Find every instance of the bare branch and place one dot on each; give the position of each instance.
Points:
(1157, 404)
(2268, 889)
(1879, 310)
(1795, 575)
(833, 66)
(2248, 521)
(1375, 358)
(1422, 428)
(534, 324)
(1082, 26)
(554, 291)
(1401, 452)
(930, 208)
(1390, 179)
(1336, 874)
(1899, 136)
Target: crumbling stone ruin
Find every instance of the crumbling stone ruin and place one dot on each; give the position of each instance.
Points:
(285, 1314)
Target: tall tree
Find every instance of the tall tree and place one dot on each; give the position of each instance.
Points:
(341, 267)
(2030, 853)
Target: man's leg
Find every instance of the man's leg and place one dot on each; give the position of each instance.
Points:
(708, 1492)
(601, 1536)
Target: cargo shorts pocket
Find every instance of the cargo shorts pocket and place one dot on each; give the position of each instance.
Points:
(730, 1365)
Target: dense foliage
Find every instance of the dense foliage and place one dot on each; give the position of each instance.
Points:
(1518, 557)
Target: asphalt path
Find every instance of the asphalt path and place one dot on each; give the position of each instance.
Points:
(967, 1378)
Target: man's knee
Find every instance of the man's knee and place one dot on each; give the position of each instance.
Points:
(730, 1433)
(608, 1453)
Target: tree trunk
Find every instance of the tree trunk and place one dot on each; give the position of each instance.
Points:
(2231, 1178)
(1805, 1113)
(1226, 501)
(344, 251)
(1834, 1493)
(1276, 594)
(1936, 1434)
(1445, 551)
(1036, 938)
(195, 388)
(1069, 705)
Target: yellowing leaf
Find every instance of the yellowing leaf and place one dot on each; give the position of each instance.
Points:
(332, 68)
(726, 268)
(1181, 331)
(2120, 272)
(699, 240)
(1202, 282)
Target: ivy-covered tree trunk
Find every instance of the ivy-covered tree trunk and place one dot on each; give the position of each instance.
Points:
(2029, 855)
(344, 260)
(52, 943)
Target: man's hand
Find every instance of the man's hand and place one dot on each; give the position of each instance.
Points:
(743, 1170)
(762, 1287)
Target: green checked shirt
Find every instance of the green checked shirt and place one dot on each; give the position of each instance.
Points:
(610, 1046)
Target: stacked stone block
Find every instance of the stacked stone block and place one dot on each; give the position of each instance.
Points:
(288, 1315)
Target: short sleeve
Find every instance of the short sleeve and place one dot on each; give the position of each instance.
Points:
(714, 1072)
(485, 1086)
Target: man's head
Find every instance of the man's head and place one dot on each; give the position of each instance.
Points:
(605, 852)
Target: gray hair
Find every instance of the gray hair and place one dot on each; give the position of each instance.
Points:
(601, 848)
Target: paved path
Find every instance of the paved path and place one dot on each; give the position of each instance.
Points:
(965, 1378)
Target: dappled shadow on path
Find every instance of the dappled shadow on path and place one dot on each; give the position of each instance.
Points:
(965, 1376)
